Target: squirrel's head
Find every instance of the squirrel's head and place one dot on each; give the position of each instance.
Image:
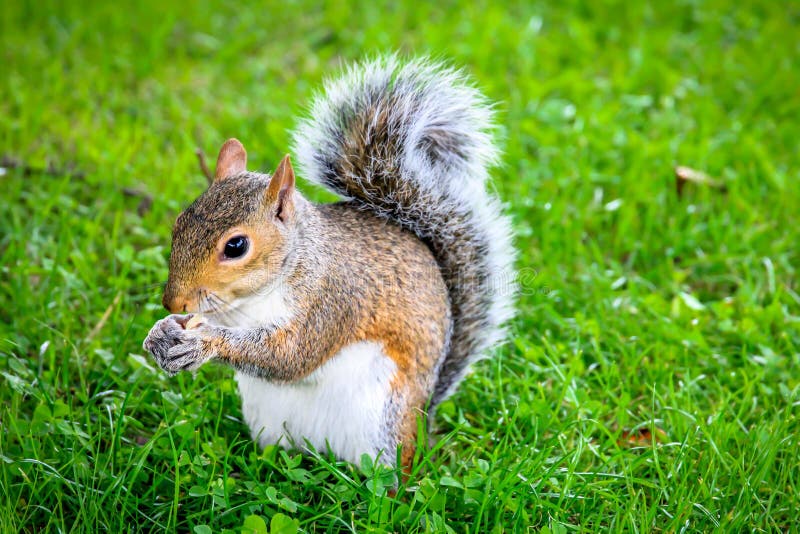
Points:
(232, 241)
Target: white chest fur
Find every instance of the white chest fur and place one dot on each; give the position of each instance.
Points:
(269, 308)
(341, 405)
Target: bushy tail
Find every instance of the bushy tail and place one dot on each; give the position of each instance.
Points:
(413, 142)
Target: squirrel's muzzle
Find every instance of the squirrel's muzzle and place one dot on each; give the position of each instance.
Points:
(173, 301)
(174, 304)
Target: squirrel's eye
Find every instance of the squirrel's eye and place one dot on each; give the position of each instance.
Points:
(235, 247)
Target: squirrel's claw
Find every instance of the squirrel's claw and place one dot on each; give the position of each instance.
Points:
(174, 348)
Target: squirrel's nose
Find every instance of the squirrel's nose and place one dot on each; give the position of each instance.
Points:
(174, 304)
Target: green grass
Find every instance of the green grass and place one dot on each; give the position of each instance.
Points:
(642, 311)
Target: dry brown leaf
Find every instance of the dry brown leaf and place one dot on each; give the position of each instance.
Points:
(687, 174)
(201, 159)
(641, 437)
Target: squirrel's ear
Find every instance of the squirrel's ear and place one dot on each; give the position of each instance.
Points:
(232, 160)
(281, 187)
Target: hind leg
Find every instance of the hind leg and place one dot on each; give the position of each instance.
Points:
(408, 414)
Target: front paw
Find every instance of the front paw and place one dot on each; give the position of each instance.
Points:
(176, 348)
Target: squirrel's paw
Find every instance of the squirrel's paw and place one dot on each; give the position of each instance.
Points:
(175, 348)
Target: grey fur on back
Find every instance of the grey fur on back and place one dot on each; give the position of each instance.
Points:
(413, 142)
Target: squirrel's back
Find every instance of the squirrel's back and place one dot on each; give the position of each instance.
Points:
(413, 143)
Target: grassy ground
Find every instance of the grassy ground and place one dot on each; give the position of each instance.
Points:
(652, 380)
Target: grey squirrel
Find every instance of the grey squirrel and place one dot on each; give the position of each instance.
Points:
(347, 321)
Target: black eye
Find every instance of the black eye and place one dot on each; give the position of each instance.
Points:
(236, 247)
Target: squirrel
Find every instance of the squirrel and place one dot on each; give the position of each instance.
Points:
(347, 321)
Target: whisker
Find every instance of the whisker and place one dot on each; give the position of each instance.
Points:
(221, 306)
(215, 308)
(227, 309)
(226, 316)
(209, 307)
